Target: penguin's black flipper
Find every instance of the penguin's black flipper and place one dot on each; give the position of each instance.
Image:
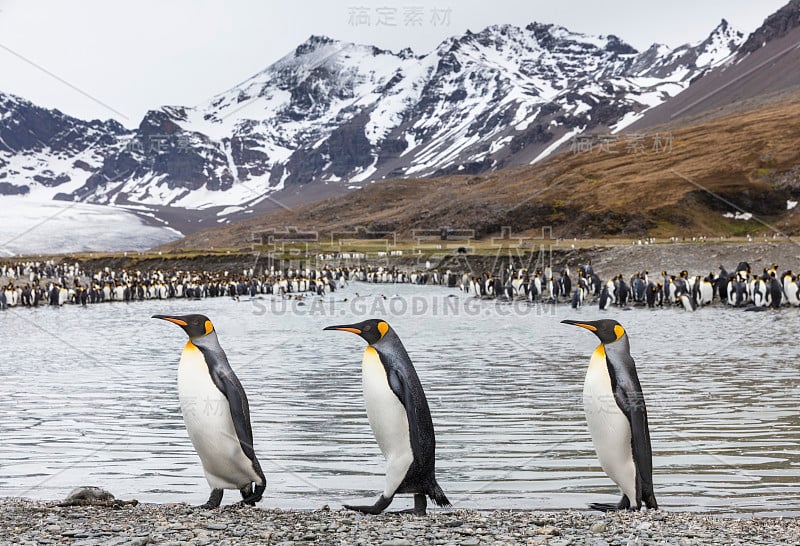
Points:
(258, 490)
(251, 495)
(226, 381)
(629, 398)
(398, 385)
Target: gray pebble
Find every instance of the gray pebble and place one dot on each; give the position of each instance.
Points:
(217, 526)
(598, 527)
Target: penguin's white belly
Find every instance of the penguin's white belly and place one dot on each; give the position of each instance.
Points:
(388, 420)
(608, 426)
(208, 420)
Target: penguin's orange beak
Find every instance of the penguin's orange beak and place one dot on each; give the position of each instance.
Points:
(581, 324)
(179, 322)
(344, 329)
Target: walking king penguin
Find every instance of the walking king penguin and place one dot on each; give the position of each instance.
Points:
(617, 417)
(216, 413)
(399, 417)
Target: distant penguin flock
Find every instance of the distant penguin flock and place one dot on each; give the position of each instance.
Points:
(34, 284)
(741, 289)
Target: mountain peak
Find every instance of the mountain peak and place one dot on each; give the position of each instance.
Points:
(724, 28)
(618, 46)
(313, 43)
(723, 38)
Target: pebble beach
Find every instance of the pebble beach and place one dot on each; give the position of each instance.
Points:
(34, 522)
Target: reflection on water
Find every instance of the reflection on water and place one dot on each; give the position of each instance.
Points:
(90, 398)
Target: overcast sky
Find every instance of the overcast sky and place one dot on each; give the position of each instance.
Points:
(102, 58)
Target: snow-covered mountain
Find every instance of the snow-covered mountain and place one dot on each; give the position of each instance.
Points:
(43, 151)
(337, 113)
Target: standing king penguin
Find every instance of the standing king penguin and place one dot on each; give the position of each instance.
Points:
(617, 417)
(216, 414)
(399, 416)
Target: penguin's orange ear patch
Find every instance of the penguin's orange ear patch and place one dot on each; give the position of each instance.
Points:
(383, 328)
(209, 327)
(619, 331)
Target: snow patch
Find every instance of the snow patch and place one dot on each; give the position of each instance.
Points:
(739, 215)
(31, 227)
(554, 146)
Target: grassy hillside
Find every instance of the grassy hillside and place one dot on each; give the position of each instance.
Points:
(677, 182)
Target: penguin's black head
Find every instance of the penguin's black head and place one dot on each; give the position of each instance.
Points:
(371, 330)
(607, 330)
(194, 325)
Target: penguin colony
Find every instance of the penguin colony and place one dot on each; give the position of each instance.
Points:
(742, 288)
(400, 418)
(33, 284)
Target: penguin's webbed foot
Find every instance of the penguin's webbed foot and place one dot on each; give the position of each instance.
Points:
(214, 500)
(420, 506)
(605, 506)
(380, 505)
(623, 504)
(372, 510)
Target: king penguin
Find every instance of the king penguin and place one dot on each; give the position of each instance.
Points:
(399, 416)
(617, 417)
(216, 413)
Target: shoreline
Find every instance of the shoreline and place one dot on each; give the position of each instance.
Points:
(44, 522)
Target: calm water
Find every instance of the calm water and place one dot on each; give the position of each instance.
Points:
(90, 398)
